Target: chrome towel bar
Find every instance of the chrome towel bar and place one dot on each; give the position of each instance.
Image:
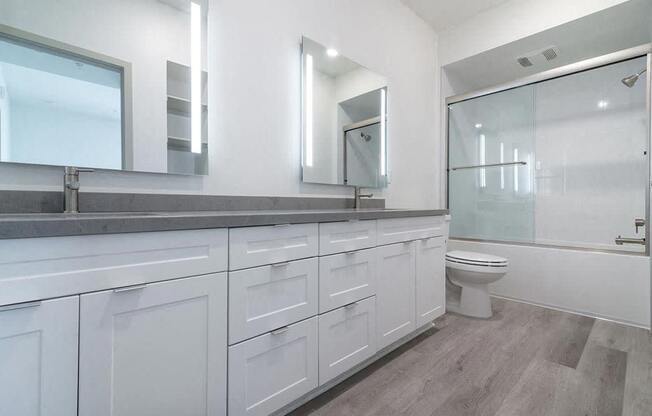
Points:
(490, 165)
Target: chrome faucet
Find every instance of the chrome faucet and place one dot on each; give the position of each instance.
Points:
(357, 196)
(71, 189)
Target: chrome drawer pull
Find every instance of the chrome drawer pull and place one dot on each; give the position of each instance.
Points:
(280, 330)
(20, 306)
(129, 288)
(281, 225)
(351, 305)
(284, 263)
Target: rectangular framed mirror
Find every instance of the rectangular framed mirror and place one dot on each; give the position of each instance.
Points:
(104, 84)
(344, 120)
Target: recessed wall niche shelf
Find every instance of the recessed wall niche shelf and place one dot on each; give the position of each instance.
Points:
(180, 159)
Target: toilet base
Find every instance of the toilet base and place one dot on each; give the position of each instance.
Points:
(473, 301)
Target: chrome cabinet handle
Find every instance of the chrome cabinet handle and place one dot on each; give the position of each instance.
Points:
(281, 264)
(626, 240)
(351, 305)
(20, 306)
(280, 330)
(129, 288)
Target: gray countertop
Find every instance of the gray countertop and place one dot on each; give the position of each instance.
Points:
(56, 225)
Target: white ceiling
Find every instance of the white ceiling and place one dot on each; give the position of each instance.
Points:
(444, 14)
(332, 66)
(619, 27)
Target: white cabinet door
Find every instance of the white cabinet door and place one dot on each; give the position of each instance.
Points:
(269, 297)
(272, 370)
(38, 358)
(154, 350)
(395, 292)
(347, 337)
(257, 246)
(346, 278)
(431, 286)
(338, 237)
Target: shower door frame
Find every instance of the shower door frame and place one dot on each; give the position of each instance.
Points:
(574, 68)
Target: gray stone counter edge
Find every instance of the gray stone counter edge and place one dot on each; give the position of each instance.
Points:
(21, 226)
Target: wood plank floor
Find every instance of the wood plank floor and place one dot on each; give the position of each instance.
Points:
(525, 361)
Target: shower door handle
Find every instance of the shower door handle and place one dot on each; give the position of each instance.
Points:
(626, 240)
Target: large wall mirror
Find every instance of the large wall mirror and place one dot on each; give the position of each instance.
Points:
(344, 132)
(105, 84)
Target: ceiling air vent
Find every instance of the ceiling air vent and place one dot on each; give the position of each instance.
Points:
(524, 62)
(538, 56)
(549, 53)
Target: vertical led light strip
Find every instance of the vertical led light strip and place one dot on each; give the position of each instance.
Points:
(195, 78)
(502, 168)
(483, 161)
(515, 170)
(383, 151)
(308, 106)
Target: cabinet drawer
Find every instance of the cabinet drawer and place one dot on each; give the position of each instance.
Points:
(346, 278)
(257, 246)
(338, 237)
(269, 297)
(272, 370)
(42, 268)
(347, 337)
(396, 230)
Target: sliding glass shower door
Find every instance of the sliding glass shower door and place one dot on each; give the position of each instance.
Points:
(561, 162)
(490, 180)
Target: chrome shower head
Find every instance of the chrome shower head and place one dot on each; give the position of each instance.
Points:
(631, 80)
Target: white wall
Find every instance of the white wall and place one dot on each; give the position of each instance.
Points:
(254, 99)
(511, 21)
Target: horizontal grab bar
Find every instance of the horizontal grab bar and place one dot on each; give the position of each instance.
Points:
(491, 165)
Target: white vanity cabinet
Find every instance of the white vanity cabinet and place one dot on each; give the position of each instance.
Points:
(396, 290)
(430, 279)
(161, 323)
(156, 349)
(38, 358)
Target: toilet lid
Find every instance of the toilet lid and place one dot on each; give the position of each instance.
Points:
(470, 257)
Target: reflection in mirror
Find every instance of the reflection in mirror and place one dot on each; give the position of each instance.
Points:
(344, 120)
(105, 84)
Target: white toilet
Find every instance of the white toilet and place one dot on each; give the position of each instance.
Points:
(468, 277)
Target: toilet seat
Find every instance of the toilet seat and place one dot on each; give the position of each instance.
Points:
(470, 258)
